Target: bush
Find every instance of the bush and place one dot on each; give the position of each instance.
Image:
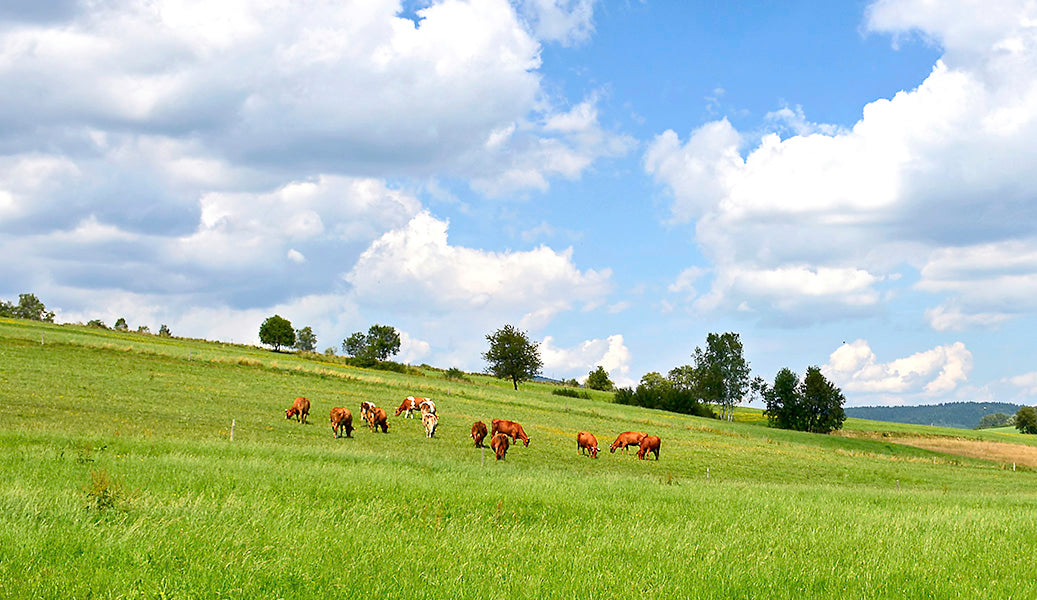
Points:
(456, 374)
(570, 393)
(664, 398)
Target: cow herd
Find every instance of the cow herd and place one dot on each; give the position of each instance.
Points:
(502, 433)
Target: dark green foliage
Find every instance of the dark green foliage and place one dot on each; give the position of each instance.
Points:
(814, 404)
(164, 331)
(721, 373)
(143, 329)
(329, 351)
(659, 393)
(120, 325)
(784, 408)
(995, 420)
(456, 374)
(28, 307)
(276, 331)
(512, 355)
(98, 323)
(598, 379)
(380, 343)
(572, 382)
(1026, 420)
(570, 393)
(305, 340)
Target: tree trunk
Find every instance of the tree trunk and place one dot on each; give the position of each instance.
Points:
(514, 381)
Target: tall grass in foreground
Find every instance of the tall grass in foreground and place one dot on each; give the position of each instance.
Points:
(120, 482)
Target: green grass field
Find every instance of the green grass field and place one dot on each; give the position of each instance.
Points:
(121, 481)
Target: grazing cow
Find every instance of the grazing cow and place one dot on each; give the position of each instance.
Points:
(365, 410)
(499, 443)
(627, 438)
(341, 420)
(509, 428)
(586, 442)
(376, 417)
(649, 443)
(412, 403)
(430, 421)
(478, 433)
(300, 409)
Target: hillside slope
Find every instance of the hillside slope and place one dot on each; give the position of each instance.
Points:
(122, 481)
(962, 415)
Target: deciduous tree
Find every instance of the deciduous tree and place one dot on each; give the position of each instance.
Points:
(305, 340)
(722, 373)
(512, 355)
(598, 379)
(380, 343)
(1026, 420)
(276, 331)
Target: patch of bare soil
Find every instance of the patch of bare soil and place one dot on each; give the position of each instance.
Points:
(1000, 452)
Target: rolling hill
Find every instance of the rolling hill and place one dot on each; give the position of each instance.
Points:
(121, 480)
(961, 415)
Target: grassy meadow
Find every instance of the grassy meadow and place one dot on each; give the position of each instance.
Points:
(120, 481)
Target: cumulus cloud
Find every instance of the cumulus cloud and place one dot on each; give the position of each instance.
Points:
(930, 179)
(1026, 383)
(934, 373)
(415, 268)
(610, 353)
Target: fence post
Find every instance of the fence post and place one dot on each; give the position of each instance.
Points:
(233, 422)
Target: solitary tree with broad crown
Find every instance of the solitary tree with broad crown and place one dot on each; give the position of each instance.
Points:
(512, 355)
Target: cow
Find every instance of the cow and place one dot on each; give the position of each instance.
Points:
(499, 443)
(300, 410)
(627, 438)
(410, 403)
(586, 442)
(649, 443)
(376, 417)
(341, 420)
(430, 421)
(478, 433)
(509, 428)
(365, 409)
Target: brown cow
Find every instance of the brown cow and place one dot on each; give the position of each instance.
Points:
(412, 403)
(649, 443)
(499, 443)
(627, 438)
(478, 433)
(586, 442)
(300, 409)
(509, 428)
(365, 410)
(376, 417)
(430, 421)
(341, 420)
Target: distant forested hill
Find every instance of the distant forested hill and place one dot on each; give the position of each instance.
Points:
(963, 415)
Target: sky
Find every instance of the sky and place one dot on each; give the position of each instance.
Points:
(844, 184)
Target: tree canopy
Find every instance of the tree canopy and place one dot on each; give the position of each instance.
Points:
(305, 340)
(28, 307)
(813, 404)
(381, 342)
(512, 355)
(721, 373)
(598, 379)
(276, 331)
(1026, 420)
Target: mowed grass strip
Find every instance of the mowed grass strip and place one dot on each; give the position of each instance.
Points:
(287, 511)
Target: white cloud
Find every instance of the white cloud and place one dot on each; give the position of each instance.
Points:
(1027, 383)
(565, 21)
(935, 373)
(931, 176)
(611, 354)
(414, 267)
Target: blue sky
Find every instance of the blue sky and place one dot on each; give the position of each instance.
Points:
(844, 184)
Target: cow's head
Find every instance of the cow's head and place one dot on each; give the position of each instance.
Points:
(594, 452)
(612, 448)
(398, 411)
(525, 441)
(289, 413)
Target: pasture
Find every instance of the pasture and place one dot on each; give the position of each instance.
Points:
(120, 481)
